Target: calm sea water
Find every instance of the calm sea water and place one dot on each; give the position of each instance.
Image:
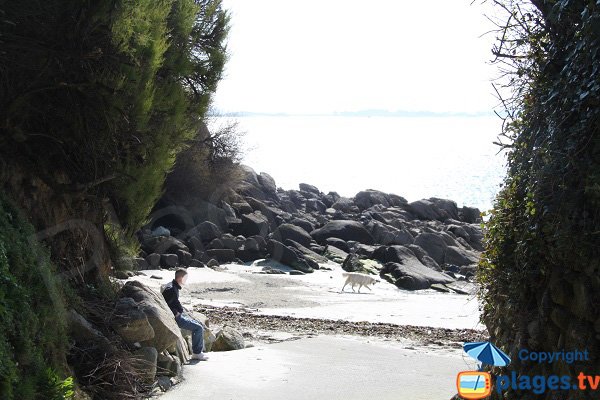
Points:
(447, 157)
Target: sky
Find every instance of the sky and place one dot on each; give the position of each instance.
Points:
(325, 56)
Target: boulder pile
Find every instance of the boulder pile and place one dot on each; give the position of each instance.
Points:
(417, 244)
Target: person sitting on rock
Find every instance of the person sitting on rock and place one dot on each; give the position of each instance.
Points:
(184, 321)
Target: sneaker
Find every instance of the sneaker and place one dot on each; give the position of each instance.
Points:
(200, 357)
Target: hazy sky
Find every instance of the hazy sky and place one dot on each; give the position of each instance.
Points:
(319, 56)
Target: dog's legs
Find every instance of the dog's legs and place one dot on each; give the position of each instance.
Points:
(359, 286)
(344, 285)
(353, 287)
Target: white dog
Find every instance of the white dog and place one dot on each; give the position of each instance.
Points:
(354, 278)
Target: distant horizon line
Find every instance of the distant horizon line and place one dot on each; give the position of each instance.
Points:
(360, 113)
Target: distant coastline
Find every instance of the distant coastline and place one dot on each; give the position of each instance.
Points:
(363, 113)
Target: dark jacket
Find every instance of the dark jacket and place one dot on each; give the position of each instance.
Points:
(171, 295)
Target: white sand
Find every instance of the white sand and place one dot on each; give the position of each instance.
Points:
(325, 367)
(318, 295)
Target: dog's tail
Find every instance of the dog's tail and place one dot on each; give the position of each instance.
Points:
(345, 274)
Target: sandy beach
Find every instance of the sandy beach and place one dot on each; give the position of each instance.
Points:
(307, 339)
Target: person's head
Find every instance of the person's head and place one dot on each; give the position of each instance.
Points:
(180, 276)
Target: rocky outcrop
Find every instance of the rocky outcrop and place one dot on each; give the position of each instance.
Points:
(302, 228)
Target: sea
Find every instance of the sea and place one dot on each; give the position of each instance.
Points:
(452, 157)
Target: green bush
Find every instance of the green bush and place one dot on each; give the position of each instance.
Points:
(540, 272)
(107, 92)
(32, 314)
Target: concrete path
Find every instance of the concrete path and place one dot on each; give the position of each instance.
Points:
(324, 367)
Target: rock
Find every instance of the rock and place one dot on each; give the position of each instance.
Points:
(167, 245)
(293, 232)
(166, 332)
(408, 271)
(153, 260)
(414, 275)
(130, 322)
(424, 258)
(140, 263)
(457, 256)
(306, 252)
(368, 198)
(169, 260)
(315, 205)
(82, 331)
(427, 210)
(223, 256)
(339, 243)
(164, 382)
(161, 231)
(205, 231)
(448, 207)
(227, 241)
(228, 339)
(433, 245)
(212, 263)
(267, 183)
(470, 215)
(279, 252)
(253, 224)
(296, 272)
(343, 229)
(197, 263)
(218, 244)
(304, 224)
(144, 361)
(184, 257)
(335, 254)
(344, 204)
(156, 277)
(309, 188)
(387, 234)
(251, 244)
(123, 274)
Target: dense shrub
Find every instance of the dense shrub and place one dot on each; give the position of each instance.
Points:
(106, 92)
(32, 321)
(540, 273)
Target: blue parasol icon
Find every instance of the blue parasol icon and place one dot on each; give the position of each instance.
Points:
(487, 353)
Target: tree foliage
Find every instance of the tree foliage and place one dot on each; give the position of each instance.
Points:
(540, 272)
(107, 91)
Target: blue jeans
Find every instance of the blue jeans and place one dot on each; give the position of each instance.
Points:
(186, 322)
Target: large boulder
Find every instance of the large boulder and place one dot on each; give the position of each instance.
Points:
(447, 206)
(83, 331)
(253, 224)
(368, 198)
(458, 256)
(267, 182)
(343, 229)
(228, 339)
(433, 244)
(315, 205)
(304, 224)
(339, 243)
(427, 210)
(166, 245)
(292, 232)
(387, 234)
(223, 256)
(280, 252)
(144, 361)
(205, 231)
(305, 187)
(166, 332)
(345, 204)
(130, 322)
(470, 215)
(406, 269)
